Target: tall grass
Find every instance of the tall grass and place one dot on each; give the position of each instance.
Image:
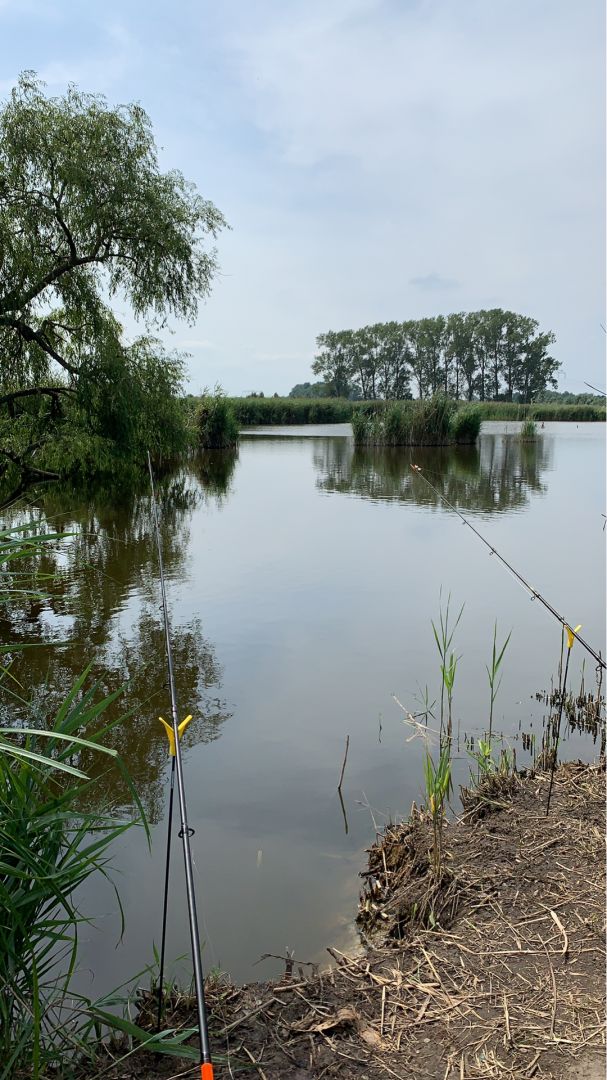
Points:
(48, 848)
(271, 410)
(493, 673)
(443, 636)
(438, 787)
(510, 410)
(216, 423)
(528, 432)
(436, 421)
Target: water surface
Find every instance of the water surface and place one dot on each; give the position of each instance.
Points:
(302, 578)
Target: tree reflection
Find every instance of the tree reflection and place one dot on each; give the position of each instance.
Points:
(104, 607)
(215, 469)
(497, 474)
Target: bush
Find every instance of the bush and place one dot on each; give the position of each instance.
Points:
(216, 423)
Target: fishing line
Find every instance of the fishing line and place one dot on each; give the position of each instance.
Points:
(535, 595)
(174, 732)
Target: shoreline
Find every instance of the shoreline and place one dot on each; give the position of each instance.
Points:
(496, 970)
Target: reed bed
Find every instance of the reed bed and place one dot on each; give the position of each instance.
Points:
(433, 422)
(510, 410)
(271, 410)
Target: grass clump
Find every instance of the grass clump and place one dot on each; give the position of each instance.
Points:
(528, 432)
(466, 424)
(217, 426)
(435, 421)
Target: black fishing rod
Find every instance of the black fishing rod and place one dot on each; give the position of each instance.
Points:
(206, 1067)
(535, 595)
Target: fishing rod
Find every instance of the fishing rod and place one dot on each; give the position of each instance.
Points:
(601, 392)
(174, 732)
(535, 595)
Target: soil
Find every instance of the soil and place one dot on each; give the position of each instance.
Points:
(492, 966)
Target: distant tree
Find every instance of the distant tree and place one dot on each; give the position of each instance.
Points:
(567, 398)
(461, 329)
(537, 369)
(310, 390)
(417, 356)
(334, 361)
(85, 215)
(433, 341)
(488, 354)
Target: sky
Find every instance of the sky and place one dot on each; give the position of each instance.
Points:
(375, 159)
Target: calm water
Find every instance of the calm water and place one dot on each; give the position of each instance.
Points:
(302, 578)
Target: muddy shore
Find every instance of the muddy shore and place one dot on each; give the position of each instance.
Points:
(496, 970)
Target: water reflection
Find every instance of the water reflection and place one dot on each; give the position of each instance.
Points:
(104, 607)
(497, 474)
(215, 470)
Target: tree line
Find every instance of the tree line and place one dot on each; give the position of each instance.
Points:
(479, 355)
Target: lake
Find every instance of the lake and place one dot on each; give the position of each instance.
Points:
(302, 578)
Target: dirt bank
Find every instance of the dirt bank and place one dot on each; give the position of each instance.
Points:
(497, 971)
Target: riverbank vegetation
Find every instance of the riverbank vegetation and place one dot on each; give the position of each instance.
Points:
(216, 424)
(578, 414)
(274, 411)
(250, 411)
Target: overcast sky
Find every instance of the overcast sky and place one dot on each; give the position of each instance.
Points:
(376, 159)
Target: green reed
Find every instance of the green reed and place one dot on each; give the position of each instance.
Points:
(435, 421)
(528, 432)
(493, 673)
(48, 848)
(511, 410)
(438, 787)
(443, 636)
(216, 425)
(277, 410)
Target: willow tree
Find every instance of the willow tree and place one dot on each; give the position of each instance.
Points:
(86, 216)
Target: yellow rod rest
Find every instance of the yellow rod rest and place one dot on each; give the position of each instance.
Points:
(171, 734)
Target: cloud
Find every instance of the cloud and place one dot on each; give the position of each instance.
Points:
(433, 282)
(356, 147)
(116, 53)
